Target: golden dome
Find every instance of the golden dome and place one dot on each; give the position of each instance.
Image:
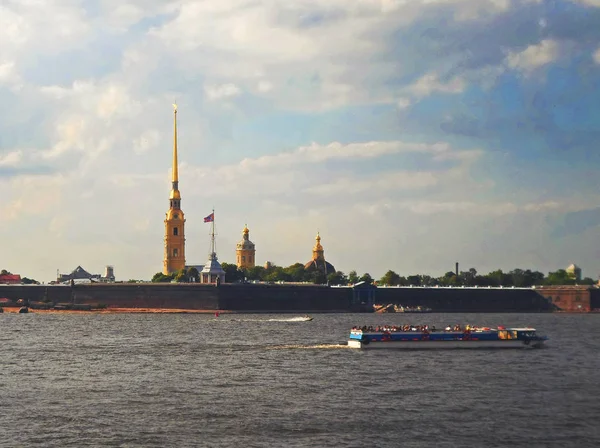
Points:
(318, 246)
(175, 194)
(246, 231)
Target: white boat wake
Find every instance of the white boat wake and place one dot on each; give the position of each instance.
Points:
(284, 319)
(292, 319)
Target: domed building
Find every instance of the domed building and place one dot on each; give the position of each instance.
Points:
(318, 262)
(245, 251)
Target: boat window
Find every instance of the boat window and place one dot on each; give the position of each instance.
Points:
(506, 334)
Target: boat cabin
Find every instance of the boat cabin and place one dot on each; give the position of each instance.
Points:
(516, 333)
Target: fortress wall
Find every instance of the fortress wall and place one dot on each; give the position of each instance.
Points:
(569, 298)
(125, 295)
(36, 293)
(263, 297)
(276, 297)
(147, 295)
(595, 299)
(466, 300)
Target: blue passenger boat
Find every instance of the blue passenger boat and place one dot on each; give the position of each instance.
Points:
(421, 337)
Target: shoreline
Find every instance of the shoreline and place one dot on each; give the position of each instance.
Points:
(15, 309)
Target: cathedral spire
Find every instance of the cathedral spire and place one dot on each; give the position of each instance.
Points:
(174, 259)
(175, 167)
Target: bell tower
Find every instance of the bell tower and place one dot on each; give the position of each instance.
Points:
(245, 251)
(174, 259)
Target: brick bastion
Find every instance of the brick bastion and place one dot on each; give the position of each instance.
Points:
(307, 298)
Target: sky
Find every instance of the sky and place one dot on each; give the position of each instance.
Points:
(412, 134)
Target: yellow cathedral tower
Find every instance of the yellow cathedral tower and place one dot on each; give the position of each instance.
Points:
(174, 259)
(245, 251)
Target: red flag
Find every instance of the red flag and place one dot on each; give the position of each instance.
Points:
(210, 218)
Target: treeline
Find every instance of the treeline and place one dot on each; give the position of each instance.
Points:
(296, 273)
(517, 277)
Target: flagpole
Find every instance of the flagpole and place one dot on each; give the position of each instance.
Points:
(212, 246)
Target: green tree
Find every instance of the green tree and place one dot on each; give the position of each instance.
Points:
(232, 273)
(296, 272)
(587, 281)
(560, 277)
(181, 276)
(499, 278)
(255, 273)
(159, 277)
(427, 280)
(194, 275)
(390, 278)
(366, 277)
(4, 272)
(319, 278)
(337, 278)
(353, 277)
(414, 280)
(468, 278)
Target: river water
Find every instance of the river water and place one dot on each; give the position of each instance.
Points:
(179, 380)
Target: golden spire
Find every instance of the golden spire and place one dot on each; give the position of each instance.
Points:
(245, 231)
(175, 180)
(175, 173)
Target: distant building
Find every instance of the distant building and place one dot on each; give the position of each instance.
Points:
(78, 274)
(268, 265)
(109, 274)
(318, 262)
(245, 251)
(81, 274)
(574, 272)
(10, 279)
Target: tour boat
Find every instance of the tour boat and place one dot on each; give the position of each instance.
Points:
(423, 337)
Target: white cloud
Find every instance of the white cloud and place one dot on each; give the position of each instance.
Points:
(101, 125)
(264, 86)
(403, 103)
(9, 75)
(595, 3)
(379, 184)
(430, 83)
(11, 159)
(534, 56)
(216, 92)
(596, 56)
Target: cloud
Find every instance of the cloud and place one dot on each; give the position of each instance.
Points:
(534, 56)
(222, 91)
(11, 159)
(430, 83)
(596, 56)
(295, 116)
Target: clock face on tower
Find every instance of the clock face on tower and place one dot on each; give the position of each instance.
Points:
(175, 216)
